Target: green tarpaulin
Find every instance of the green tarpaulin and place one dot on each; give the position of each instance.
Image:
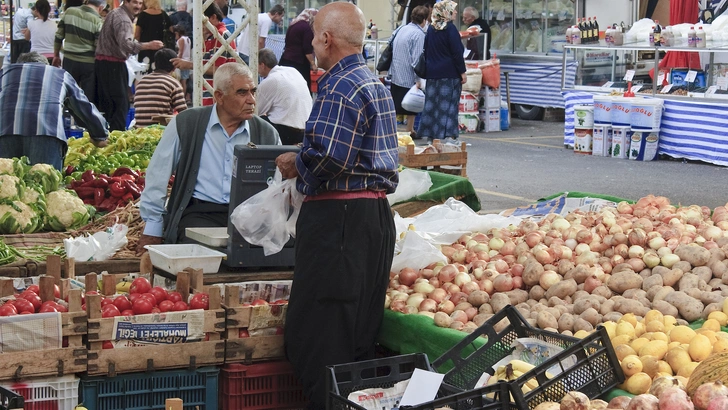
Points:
(445, 186)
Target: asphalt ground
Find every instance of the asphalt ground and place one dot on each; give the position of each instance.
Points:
(529, 161)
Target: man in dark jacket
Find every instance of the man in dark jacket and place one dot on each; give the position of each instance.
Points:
(472, 18)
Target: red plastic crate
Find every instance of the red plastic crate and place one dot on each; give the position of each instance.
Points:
(268, 385)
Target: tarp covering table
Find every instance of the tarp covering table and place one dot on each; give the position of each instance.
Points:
(445, 186)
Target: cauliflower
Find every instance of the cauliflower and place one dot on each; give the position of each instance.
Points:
(6, 166)
(13, 166)
(33, 194)
(66, 211)
(17, 217)
(44, 175)
(10, 187)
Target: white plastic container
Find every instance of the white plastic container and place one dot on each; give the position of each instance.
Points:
(602, 140)
(602, 110)
(47, 393)
(643, 145)
(217, 237)
(620, 141)
(645, 114)
(583, 141)
(583, 116)
(175, 258)
(620, 111)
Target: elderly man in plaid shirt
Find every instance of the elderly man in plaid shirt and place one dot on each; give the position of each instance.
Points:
(345, 233)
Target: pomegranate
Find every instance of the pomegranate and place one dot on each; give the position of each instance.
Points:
(675, 398)
(719, 403)
(663, 382)
(619, 402)
(644, 402)
(575, 400)
(707, 392)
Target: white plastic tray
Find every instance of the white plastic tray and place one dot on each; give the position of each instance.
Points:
(175, 258)
(217, 237)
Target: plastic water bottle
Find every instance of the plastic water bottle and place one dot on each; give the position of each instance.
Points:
(692, 37)
(700, 43)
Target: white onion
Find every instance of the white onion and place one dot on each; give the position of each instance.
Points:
(549, 278)
(496, 244)
(461, 279)
(423, 287)
(581, 248)
(415, 299)
(571, 243)
(636, 251)
(478, 273)
(664, 251)
(657, 243)
(669, 260)
(560, 224)
(588, 258)
(651, 259)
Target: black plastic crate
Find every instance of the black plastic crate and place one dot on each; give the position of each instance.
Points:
(596, 369)
(9, 400)
(346, 378)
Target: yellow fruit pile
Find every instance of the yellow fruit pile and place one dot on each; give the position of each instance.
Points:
(657, 346)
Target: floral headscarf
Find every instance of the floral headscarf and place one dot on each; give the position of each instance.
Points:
(306, 15)
(442, 13)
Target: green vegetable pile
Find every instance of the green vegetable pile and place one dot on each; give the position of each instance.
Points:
(8, 254)
(31, 199)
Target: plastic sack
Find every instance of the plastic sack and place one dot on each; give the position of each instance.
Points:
(474, 80)
(414, 100)
(99, 246)
(268, 218)
(490, 70)
(416, 252)
(411, 184)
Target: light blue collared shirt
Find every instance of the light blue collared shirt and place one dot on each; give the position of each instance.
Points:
(213, 185)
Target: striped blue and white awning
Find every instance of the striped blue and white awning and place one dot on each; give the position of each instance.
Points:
(691, 130)
(539, 84)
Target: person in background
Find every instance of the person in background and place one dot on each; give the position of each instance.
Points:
(476, 44)
(265, 21)
(182, 17)
(116, 43)
(32, 98)
(201, 138)
(184, 52)
(346, 167)
(406, 51)
(20, 45)
(158, 93)
(41, 31)
(298, 51)
(151, 25)
(229, 23)
(78, 31)
(281, 86)
(445, 75)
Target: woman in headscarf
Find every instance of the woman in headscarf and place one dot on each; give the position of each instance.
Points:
(298, 51)
(445, 75)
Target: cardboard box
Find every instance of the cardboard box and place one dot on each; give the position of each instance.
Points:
(468, 103)
(490, 97)
(490, 118)
(468, 122)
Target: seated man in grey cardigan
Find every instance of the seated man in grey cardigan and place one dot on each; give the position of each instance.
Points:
(197, 148)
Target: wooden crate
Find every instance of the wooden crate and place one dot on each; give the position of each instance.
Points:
(252, 318)
(138, 359)
(50, 362)
(436, 161)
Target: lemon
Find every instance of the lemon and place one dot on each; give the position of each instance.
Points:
(682, 334)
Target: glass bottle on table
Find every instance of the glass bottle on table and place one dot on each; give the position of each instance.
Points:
(657, 34)
(595, 33)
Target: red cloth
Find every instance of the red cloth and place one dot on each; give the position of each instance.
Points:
(682, 11)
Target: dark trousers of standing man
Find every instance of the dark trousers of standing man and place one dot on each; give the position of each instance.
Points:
(289, 135)
(84, 75)
(112, 92)
(344, 251)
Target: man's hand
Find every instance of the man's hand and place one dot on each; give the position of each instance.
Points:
(152, 45)
(56, 62)
(99, 143)
(287, 164)
(181, 64)
(145, 240)
(463, 78)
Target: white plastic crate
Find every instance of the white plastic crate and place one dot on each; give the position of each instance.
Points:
(175, 258)
(50, 393)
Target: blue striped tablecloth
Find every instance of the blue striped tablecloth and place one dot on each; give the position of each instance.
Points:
(690, 130)
(537, 84)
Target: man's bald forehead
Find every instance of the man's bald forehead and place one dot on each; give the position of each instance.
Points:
(343, 20)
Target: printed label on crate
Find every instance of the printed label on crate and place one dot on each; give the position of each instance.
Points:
(468, 103)
(22, 333)
(160, 328)
(379, 398)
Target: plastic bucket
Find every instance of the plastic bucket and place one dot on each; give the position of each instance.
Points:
(620, 111)
(646, 114)
(583, 116)
(504, 124)
(620, 141)
(583, 141)
(643, 145)
(602, 110)
(602, 140)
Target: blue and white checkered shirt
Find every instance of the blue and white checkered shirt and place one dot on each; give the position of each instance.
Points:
(406, 50)
(350, 143)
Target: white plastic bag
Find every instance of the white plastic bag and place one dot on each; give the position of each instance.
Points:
(414, 100)
(411, 183)
(268, 218)
(99, 246)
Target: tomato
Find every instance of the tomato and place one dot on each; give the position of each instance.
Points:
(243, 333)
(56, 292)
(47, 309)
(133, 297)
(34, 288)
(32, 298)
(159, 293)
(279, 302)
(107, 344)
(156, 310)
(23, 305)
(8, 310)
(174, 296)
(127, 312)
(200, 301)
(179, 306)
(61, 307)
(259, 302)
(106, 301)
(90, 292)
(83, 307)
(122, 302)
(110, 311)
(142, 306)
(149, 297)
(140, 285)
(166, 305)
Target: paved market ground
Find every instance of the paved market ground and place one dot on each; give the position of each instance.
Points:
(529, 161)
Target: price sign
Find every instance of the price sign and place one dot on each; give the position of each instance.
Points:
(690, 77)
(608, 84)
(711, 90)
(660, 78)
(722, 83)
(629, 76)
(666, 89)
(636, 88)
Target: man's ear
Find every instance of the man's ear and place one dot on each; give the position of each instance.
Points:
(218, 96)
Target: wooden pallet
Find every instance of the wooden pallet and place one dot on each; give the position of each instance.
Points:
(436, 161)
(50, 362)
(251, 318)
(110, 362)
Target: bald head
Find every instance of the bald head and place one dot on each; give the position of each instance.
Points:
(345, 22)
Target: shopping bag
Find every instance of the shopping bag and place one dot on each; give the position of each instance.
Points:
(414, 100)
(268, 218)
(491, 72)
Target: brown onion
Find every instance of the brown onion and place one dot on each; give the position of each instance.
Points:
(427, 273)
(516, 269)
(517, 282)
(503, 283)
(470, 287)
(428, 305)
(435, 282)
(446, 306)
(447, 273)
(438, 295)
(459, 316)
